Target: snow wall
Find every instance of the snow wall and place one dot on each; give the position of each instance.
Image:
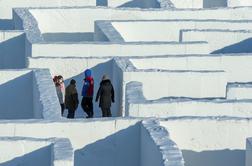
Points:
(132, 31)
(130, 3)
(173, 78)
(248, 152)
(107, 142)
(221, 41)
(13, 105)
(6, 6)
(26, 151)
(199, 3)
(34, 89)
(210, 141)
(119, 49)
(233, 3)
(49, 19)
(237, 66)
(12, 58)
(138, 106)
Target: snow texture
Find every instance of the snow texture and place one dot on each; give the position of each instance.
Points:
(45, 95)
(50, 151)
(163, 62)
(170, 153)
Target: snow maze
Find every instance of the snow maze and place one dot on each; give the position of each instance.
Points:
(181, 70)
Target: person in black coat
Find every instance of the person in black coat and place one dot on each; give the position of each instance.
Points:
(106, 95)
(71, 99)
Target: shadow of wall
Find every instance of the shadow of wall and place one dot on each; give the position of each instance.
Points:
(240, 47)
(142, 4)
(214, 3)
(17, 98)
(121, 148)
(39, 157)
(68, 37)
(12, 53)
(214, 158)
(6, 24)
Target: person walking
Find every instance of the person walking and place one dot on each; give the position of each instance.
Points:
(60, 89)
(71, 99)
(87, 93)
(106, 95)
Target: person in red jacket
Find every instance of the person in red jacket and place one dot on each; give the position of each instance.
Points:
(87, 93)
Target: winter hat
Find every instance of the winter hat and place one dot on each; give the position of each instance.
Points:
(72, 82)
(60, 77)
(55, 78)
(105, 77)
(88, 73)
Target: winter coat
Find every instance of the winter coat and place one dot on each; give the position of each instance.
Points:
(88, 87)
(60, 89)
(106, 94)
(71, 97)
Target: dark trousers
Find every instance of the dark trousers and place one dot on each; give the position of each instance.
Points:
(62, 109)
(71, 114)
(87, 106)
(106, 112)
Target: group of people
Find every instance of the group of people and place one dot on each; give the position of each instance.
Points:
(68, 97)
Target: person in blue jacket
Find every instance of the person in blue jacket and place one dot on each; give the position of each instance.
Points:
(87, 93)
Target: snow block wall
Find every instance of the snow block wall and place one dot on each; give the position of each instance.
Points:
(16, 94)
(233, 3)
(221, 41)
(27, 94)
(156, 146)
(6, 6)
(107, 142)
(131, 31)
(11, 58)
(132, 4)
(248, 151)
(45, 100)
(206, 141)
(114, 142)
(138, 106)
(27, 151)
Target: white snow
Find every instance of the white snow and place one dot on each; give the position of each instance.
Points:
(27, 94)
(163, 63)
(211, 140)
(24, 151)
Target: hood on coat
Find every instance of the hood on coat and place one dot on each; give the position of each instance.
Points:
(88, 73)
